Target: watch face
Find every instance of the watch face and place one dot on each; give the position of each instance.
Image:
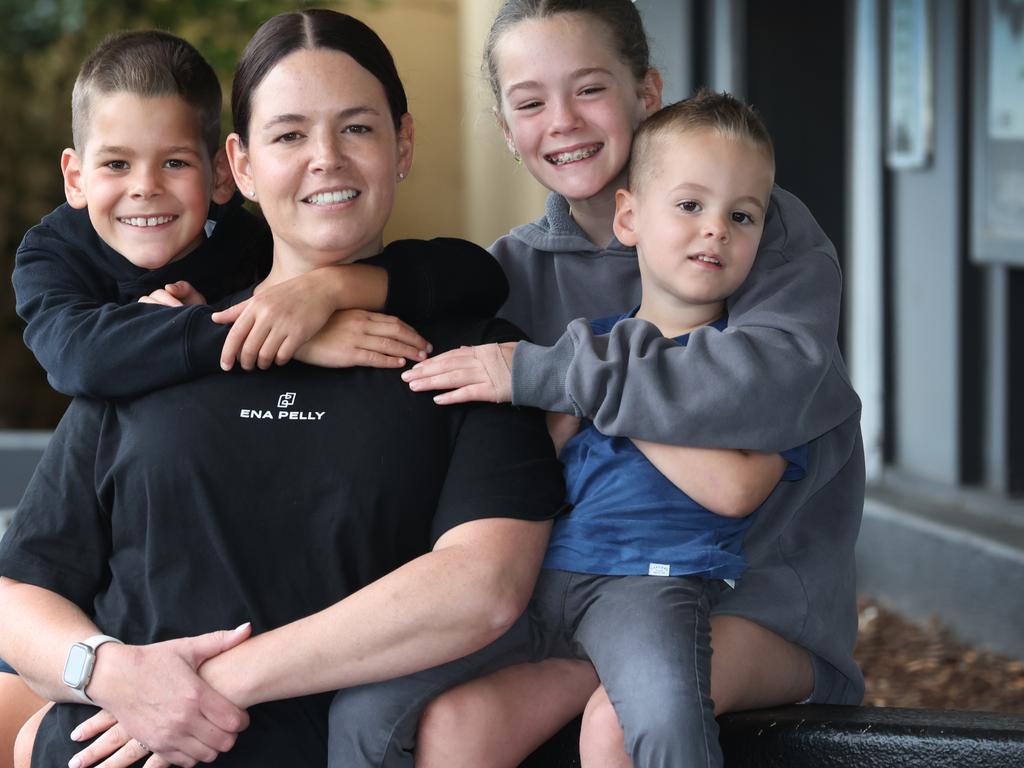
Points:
(77, 667)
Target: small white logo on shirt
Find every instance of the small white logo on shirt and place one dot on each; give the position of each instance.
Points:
(659, 569)
(286, 400)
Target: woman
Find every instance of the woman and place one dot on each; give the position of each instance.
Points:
(320, 518)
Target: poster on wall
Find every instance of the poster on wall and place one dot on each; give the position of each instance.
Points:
(910, 110)
(998, 129)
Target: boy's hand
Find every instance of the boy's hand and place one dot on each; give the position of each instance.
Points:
(273, 324)
(355, 337)
(177, 294)
(473, 374)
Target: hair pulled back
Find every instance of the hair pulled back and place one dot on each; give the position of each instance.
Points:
(620, 17)
(309, 30)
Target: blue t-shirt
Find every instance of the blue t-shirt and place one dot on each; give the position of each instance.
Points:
(629, 519)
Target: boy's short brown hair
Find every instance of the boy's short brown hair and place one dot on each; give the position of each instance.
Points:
(704, 111)
(148, 63)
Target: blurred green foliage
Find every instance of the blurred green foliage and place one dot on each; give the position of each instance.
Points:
(42, 44)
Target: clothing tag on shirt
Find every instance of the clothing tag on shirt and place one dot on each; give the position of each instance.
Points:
(659, 569)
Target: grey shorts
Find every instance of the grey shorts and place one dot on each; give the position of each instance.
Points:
(647, 636)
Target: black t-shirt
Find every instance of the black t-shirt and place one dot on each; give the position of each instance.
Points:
(264, 498)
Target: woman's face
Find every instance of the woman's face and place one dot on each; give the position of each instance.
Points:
(569, 104)
(323, 159)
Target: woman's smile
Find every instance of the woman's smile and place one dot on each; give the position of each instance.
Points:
(323, 159)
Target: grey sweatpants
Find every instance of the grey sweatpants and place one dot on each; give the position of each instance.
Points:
(647, 636)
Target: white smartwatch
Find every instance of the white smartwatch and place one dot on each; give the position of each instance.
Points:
(81, 660)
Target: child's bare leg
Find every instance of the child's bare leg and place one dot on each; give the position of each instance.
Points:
(601, 740)
(27, 738)
(751, 667)
(498, 720)
(17, 703)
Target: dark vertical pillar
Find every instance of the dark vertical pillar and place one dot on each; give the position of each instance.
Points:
(796, 76)
(1015, 409)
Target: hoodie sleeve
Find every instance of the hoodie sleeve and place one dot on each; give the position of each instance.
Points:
(772, 380)
(89, 344)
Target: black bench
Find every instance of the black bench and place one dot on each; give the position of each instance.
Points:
(845, 737)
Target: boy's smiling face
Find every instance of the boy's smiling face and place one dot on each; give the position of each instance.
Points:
(145, 176)
(696, 218)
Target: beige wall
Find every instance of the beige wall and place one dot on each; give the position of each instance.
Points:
(463, 181)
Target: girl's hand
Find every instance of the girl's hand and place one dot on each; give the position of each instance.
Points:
(473, 374)
(157, 695)
(273, 324)
(177, 294)
(354, 337)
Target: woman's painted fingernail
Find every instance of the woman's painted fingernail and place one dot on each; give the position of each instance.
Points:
(76, 734)
(242, 626)
(74, 762)
(406, 375)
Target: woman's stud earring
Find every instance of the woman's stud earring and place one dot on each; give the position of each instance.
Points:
(401, 175)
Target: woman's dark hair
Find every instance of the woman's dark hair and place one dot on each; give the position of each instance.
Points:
(308, 30)
(620, 17)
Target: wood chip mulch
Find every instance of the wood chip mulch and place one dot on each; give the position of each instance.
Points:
(924, 667)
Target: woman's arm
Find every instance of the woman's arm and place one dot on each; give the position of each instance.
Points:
(153, 690)
(37, 643)
(441, 606)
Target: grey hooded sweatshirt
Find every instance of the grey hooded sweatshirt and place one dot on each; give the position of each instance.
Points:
(773, 380)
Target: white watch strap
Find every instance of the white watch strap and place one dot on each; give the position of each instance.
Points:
(96, 641)
(93, 643)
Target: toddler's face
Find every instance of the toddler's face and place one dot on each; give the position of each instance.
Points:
(145, 177)
(698, 216)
